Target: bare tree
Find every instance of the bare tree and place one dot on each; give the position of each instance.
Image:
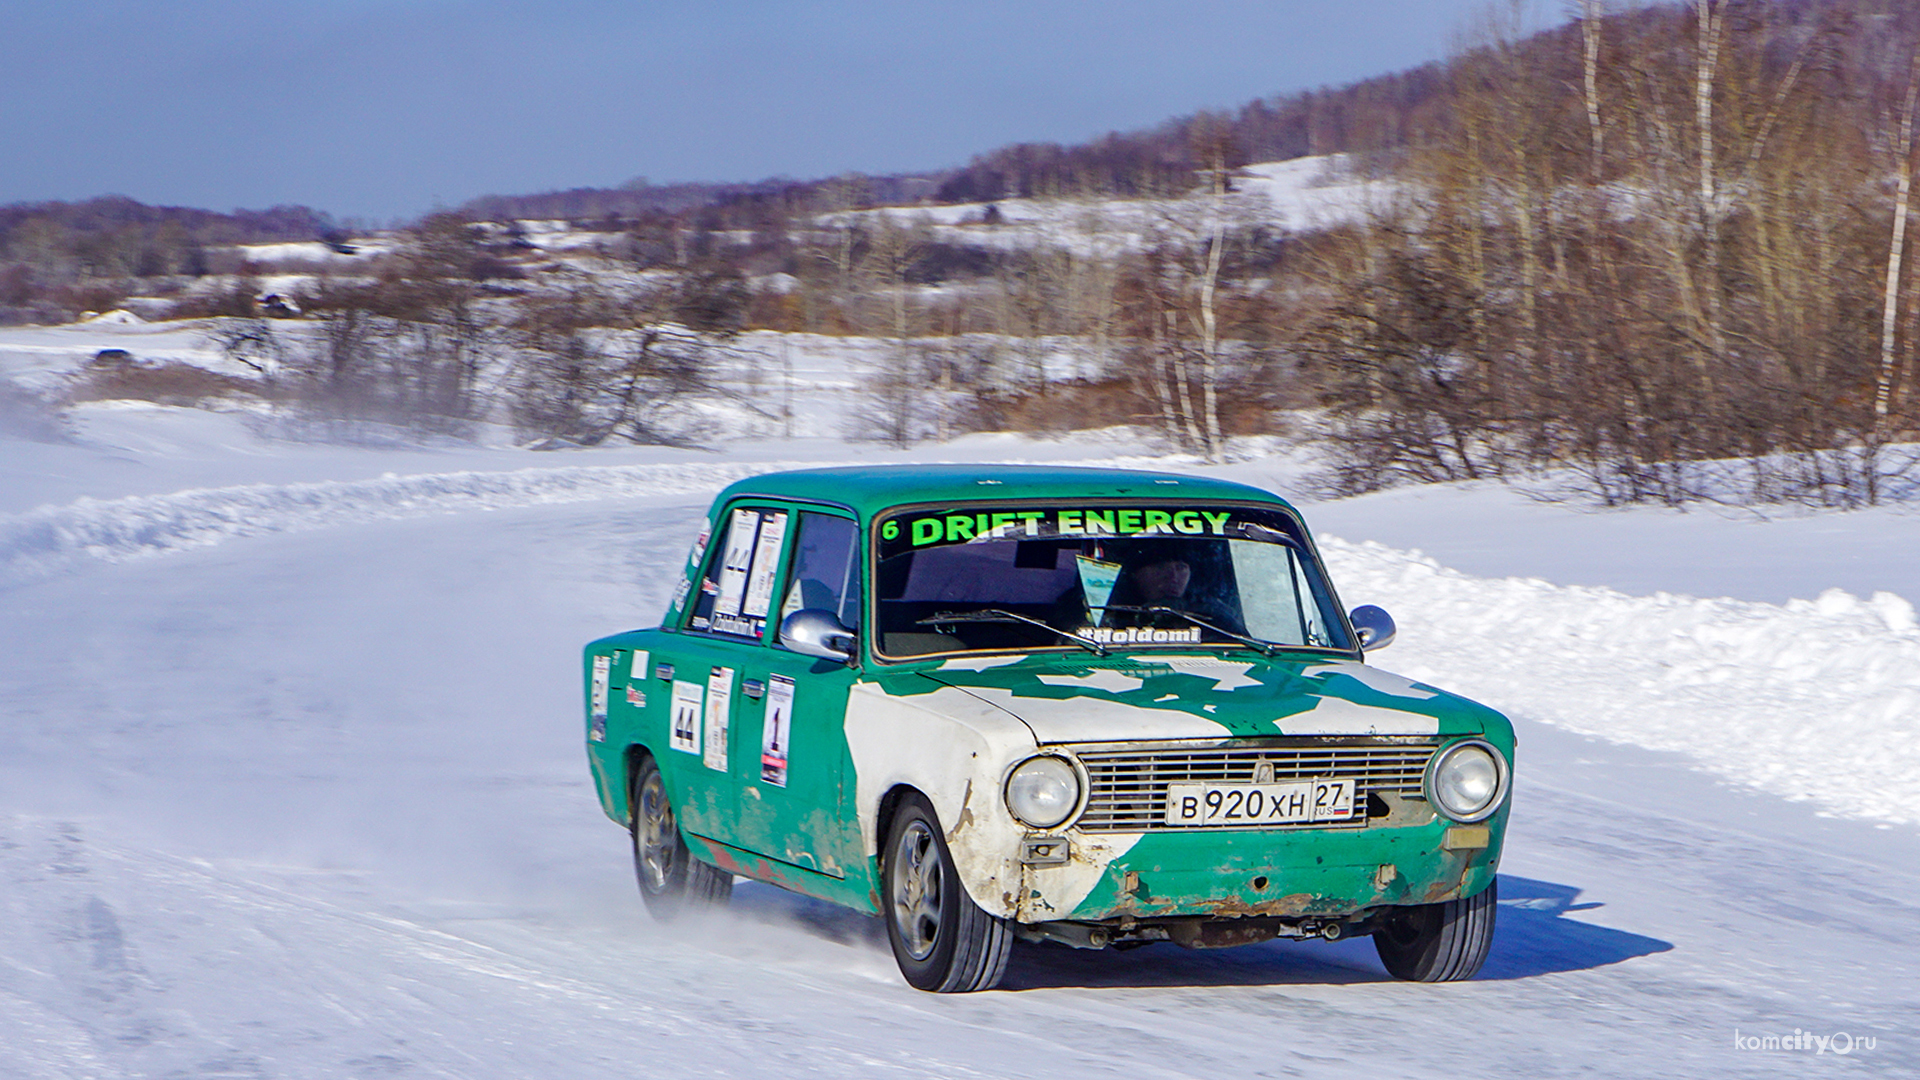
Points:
(593, 366)
(1592, 12)
(1896, 248)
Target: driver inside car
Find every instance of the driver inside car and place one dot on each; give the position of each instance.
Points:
(1154, 574)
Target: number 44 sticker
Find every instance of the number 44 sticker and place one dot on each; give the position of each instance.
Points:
(688, 697)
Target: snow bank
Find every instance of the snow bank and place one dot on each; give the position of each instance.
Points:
(1814, 700)
(44, 539)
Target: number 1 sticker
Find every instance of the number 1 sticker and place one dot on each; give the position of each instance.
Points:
(778, 729)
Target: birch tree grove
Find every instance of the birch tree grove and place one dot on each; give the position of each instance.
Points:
(1651, 249)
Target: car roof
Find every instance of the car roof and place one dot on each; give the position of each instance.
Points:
(868, 490)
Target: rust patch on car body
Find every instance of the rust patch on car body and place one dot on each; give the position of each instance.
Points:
(966, 813)
(726, 859)
(1449, 884)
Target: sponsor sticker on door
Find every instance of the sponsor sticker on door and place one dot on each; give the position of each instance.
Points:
(777, 730)
(597, 730)
(719, 712)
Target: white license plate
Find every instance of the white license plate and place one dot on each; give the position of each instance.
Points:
(1292, 803)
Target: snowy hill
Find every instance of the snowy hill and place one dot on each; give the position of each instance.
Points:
(1305, 194)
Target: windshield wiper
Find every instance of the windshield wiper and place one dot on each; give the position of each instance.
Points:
(1001, 615)
(1266, 648)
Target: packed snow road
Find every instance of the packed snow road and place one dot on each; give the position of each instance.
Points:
(313, 804)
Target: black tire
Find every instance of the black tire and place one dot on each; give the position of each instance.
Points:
(1444, 942)
(671, 879)
(941, 939)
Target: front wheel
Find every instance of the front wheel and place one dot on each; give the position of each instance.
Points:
(1444, 942)
(941, 939)
(671, 879)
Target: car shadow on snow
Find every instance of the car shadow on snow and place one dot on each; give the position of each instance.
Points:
(1532, 937)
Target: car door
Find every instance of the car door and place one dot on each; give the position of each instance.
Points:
(791, 767)
(723, 635)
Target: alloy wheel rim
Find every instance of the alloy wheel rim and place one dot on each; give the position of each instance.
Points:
(655, 833)
(916, 890)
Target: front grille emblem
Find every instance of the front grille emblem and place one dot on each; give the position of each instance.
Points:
(1263, 772)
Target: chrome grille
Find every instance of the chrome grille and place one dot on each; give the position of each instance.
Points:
(1128, 790)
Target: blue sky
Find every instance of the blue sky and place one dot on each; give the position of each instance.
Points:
(384, 110)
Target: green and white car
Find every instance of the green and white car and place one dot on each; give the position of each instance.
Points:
(1086, 706)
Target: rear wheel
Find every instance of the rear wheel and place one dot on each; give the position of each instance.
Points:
(941, 939)
(671, 879)
(1444, 942)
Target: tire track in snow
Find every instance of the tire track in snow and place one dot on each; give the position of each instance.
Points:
(240, 974)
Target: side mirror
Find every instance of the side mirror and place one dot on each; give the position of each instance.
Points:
(1373, 625)
(819, 633)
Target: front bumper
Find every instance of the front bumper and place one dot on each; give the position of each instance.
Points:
(1328, 874)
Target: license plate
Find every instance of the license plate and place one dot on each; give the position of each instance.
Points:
(1292, 803)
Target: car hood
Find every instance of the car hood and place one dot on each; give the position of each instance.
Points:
(1066, 699)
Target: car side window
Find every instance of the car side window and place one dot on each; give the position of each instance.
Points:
(826, 572)
(736, 592)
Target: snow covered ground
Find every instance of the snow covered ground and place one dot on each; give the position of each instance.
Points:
(291, 786)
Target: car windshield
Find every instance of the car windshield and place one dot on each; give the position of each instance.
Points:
(1098, 577)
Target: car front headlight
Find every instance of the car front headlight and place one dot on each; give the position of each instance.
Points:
(1043, 791)
(1467, 781)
